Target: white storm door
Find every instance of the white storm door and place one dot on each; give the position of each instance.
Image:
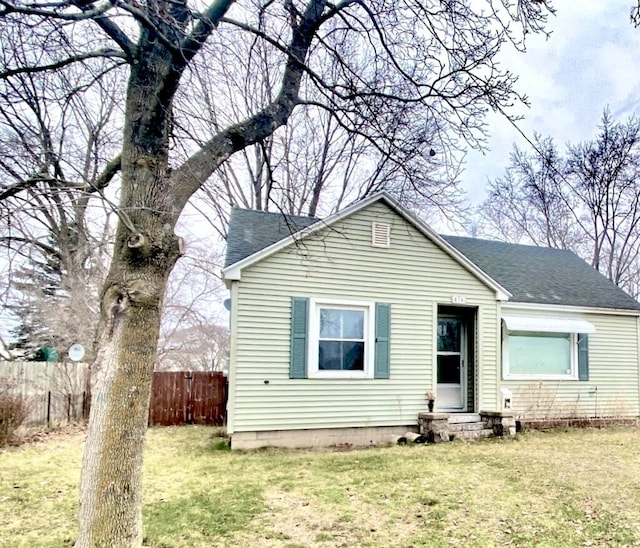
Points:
(450, 364)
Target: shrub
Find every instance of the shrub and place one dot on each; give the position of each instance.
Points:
(14, 410)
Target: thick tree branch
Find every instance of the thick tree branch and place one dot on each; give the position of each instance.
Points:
(18, 187)
(114, 32)
(30, 242)
(54, 11)
(199, 167)
(108, 173)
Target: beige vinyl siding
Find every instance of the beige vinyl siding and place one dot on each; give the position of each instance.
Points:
(613, 370)
(413, 275)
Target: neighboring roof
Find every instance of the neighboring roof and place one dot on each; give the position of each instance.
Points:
(251, 231)
(544, 275)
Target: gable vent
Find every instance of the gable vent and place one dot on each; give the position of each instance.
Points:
(380, 235)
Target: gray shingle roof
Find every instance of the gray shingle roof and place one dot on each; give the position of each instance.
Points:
(251, 231)
(543, 275)
(531, 274)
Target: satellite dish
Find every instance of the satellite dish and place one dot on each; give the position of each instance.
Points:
(76, 352)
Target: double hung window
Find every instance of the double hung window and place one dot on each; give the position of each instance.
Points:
(341, 338)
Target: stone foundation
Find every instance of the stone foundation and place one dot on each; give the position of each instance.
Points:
(436, 427)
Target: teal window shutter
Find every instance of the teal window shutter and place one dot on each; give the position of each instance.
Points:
(583, 357)
(383, 331)
(299, 336)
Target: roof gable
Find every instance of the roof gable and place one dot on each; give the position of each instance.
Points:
(519, 273)
(248, 237)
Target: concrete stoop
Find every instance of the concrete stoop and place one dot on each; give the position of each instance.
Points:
(440, 427)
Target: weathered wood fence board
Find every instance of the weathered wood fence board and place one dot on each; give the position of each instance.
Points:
(188, 397)
(55, 391)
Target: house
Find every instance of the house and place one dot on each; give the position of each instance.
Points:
(340, 327)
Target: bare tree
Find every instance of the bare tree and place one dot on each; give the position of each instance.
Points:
(55, 131)
(528, 204)
(436, 59)
(604, 174)
(315, 164)
(587, 200)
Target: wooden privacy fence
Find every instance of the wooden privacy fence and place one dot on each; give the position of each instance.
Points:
(188, 397)
(54, 391)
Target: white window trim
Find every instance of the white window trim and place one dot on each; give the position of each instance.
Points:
(506, 375)
(314, 336)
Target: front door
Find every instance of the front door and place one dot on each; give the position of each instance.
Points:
(450, 363)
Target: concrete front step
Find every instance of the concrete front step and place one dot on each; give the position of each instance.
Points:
(473, 434)
(441, 427)
(456, 418)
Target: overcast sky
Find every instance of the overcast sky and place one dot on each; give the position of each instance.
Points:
(591, 60)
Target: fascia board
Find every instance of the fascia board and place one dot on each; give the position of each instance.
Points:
(570, 308)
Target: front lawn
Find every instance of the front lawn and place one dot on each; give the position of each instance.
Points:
(573, 488)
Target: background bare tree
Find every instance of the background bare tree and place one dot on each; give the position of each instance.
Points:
(424, 64)
(56, 129)
(194, 334)
(587, 200)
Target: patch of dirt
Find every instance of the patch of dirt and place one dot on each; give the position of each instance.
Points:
(293, 519)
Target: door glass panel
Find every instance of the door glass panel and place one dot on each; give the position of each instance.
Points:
(449, 334)
(449, 369)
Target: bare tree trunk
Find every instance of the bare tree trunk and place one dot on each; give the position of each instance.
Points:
(146, 249)
(110, 509)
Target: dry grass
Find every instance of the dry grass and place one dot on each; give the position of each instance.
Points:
(574, 488)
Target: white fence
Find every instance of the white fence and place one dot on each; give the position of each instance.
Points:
(56, 392)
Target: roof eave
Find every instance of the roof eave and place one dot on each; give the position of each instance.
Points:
(234, 271)
(575, 308)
